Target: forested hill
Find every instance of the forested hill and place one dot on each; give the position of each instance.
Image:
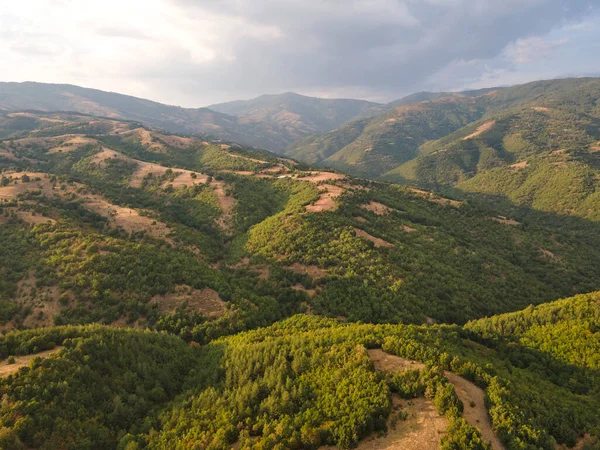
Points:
(109, 228)
(106, 221)
(535, 144)
(305, 382)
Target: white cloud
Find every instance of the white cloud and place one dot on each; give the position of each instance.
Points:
(530, 49)
(193, 52)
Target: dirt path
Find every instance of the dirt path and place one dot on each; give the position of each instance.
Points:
(22, 361)
(476, 415)
(467, 392)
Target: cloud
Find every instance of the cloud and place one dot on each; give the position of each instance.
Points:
(530, 49)
(195, 53)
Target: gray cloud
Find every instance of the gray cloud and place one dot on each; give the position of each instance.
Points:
(386, 45)
(197, 52)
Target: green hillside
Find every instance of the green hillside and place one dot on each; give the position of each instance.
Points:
(386, 140)
(124, 224)
(162, 292)
(294, 384)
(545, 157)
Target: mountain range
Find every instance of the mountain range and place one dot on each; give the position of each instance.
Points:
(163, 286)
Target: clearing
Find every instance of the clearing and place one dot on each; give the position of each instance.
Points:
(466, 391)
(207, 301)
(378, 208)
(314, 272)
(435, 199)
(378, 242)
(22, 361)
(480, 129)
(504, 220)
(518, 166)
(326, 201)
(475, 415)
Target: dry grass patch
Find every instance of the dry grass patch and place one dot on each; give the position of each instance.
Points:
(518, 166)
(378, 208)
(206, 301)
(384, 362)
(480, 129)
(378, 242)
(317, 177)
(467, 392)
(504, 220)
(227, 204)
(315, 272)
(327, 198)
(434, 198)
(22, 361)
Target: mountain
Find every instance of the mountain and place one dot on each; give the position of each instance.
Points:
(163, 291)
(534, 144)
(541, 152)
(297, 114)
(270, 121)
(369, 147)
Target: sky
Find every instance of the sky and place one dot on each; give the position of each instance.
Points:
(197, 52)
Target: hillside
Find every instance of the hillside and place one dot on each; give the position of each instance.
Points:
(486, 136)
(270, 121)
(101, 217)
(110, 228)
(294, 385)
(370, 146)
(296, 115)
(542, 154)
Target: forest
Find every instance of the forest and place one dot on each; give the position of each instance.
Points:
(189, 293)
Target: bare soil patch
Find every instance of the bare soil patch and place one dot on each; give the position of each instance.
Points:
(326, 200)
(22, 361)
(477, 415)
(506, 221)
(207, 301)
(518, 166)
(480, 129)
(378, 208)
(378, 242)
(314, 272)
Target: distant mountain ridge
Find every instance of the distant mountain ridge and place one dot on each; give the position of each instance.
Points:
(270, 121)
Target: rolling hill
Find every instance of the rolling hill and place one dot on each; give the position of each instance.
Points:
(294, 384)
(162, 291)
